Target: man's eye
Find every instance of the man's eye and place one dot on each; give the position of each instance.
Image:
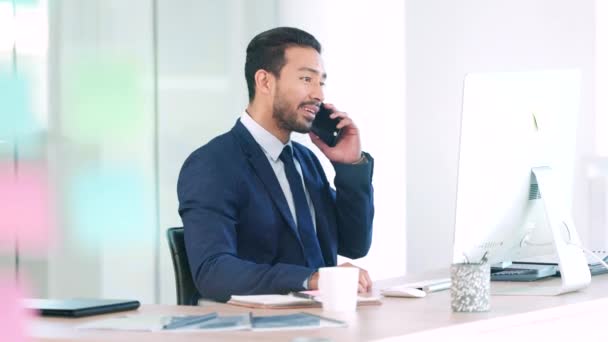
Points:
(306, 79)
(322, 84)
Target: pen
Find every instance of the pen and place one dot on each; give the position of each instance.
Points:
(326, 318)
(437, 287)
(303, 295)
(180, 322)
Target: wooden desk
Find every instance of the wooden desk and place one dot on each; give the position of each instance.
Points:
(397, 317)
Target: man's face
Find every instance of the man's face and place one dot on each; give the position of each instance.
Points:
(299, 90)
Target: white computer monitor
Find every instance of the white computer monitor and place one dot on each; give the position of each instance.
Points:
(516, 171)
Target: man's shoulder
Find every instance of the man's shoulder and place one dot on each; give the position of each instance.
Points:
(221, 150)
(215, 146)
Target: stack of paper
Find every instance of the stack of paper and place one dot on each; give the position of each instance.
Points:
(291, 301)
(273, 301)
(148, 322)
(213, 322)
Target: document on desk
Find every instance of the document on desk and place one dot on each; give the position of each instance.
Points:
(148, 322)
(306, 299)
(225, 323)
(301, 320)
(213, 323)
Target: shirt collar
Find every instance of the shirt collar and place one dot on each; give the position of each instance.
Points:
(271, 145)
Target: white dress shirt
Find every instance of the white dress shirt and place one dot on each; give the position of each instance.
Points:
(272, 148)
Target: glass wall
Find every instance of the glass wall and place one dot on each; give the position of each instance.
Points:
(26, 190)
(201, 89)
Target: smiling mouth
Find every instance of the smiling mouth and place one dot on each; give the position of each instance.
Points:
(313, 110)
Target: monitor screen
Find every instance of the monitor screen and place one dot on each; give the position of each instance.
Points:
(512, 123)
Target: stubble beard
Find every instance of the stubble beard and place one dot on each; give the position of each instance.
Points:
(286, 118)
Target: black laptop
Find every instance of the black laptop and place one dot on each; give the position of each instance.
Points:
(79, 307)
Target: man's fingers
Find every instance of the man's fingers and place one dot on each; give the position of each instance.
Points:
(366, 279)
(365, 282)
(344, 122)
(362, 283)
(338, 115)
(329, 106)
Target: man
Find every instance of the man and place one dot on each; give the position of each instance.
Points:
(258, 212)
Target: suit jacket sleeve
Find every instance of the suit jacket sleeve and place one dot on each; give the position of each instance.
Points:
(209, 201)
(354, 198)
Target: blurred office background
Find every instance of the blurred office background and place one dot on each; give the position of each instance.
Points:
(102, 100)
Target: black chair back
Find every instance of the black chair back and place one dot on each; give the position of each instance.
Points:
(187, 294)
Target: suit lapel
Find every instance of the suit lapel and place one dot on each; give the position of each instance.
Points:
(262, 167)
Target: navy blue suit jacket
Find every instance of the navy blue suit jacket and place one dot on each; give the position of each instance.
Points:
(240, 235)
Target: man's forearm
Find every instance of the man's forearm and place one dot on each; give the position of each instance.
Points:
(354, 207)
(226, 275)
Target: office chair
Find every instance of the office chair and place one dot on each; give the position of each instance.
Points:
(187, 294)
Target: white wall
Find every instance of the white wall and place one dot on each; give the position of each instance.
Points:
(601, 76)
(598, 184)
(447, 39)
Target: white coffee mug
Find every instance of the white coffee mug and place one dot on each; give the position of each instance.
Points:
(338, 288)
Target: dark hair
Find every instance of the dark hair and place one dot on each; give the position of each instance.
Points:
(267, 51)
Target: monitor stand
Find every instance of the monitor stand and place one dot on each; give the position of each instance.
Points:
(573, 266)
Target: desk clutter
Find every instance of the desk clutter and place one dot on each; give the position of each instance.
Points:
(297, 300)
(213, 322)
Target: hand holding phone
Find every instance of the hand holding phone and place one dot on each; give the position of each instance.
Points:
(325, 127)
(338, 139)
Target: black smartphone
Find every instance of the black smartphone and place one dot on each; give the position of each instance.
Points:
(325, 127)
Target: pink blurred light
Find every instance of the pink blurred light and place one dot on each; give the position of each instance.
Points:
(25, 209)
(13, 317)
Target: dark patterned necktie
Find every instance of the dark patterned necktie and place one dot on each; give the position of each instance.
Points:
(314, 257)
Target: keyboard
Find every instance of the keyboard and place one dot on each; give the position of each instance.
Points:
(595, 269)
(523, 274)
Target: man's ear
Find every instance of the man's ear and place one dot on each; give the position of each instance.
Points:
(264, 82)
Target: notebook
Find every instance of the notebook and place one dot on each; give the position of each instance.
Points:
(291, 301)
(77, 307)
